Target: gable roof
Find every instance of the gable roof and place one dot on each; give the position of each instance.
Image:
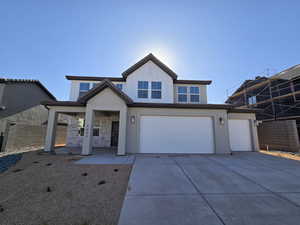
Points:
(155, 60)
(100, 87)
(38, 83)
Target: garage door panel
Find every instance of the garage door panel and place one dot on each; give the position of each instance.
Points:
(165, 134)
(240, 135)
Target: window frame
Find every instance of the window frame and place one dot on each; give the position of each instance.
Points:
(81, 123)
(118, 86)
(252, 100)
(83, 91)
(189, 93)
(179, 93)
(194, 94)
(142, 89)
(94, 129)
(156, 90)
(94, 85)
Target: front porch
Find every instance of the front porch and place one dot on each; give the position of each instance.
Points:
(89, 130)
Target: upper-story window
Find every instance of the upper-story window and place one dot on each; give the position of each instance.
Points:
(83, 88)
(188, 94)
(156, 89)
(94, 85)
(252, 100)
(182, 93)
(142, 89)
(194, 94)
(120, 86)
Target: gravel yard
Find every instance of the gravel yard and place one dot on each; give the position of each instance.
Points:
(52, 190)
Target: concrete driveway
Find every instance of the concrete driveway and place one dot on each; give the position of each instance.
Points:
(243, 189)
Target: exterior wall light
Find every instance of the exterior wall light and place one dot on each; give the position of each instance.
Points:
(221, 120)
(256, 122)
(132, 119)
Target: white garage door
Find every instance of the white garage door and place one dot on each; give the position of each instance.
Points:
(173, 134)
(239, 135)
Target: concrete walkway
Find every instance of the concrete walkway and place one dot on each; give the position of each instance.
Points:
(243, 189)
(106, 159)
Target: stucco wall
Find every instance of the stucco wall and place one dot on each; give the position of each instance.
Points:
(18, 97)
(221, 138)
(279, 135)
(150, 72)
(147, 72)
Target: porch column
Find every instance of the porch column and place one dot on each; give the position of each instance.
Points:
(122, 133)
(51, 131)
(87, 145)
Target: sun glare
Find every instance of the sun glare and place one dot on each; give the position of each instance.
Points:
(161, 53)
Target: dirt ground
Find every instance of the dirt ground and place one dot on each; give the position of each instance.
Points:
(287, 155)
(52, 190)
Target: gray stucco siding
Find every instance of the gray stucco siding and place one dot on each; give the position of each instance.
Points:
(18, 97)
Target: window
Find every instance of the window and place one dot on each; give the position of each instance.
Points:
(81, 124)
(96, 131)
(182, 93)
(120, 86)
(81, 132)
(156, 89)
(252, 100)
(188, 94)
(143, 89)
(83, 88)
(194, 94)
(94, 85)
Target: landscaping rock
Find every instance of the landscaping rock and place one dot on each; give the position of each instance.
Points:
(17, 170)
(101, 182)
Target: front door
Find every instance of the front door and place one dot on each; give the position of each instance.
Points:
(114, 134)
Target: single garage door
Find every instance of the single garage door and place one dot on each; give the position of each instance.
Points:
(176, 134)
(239, 135)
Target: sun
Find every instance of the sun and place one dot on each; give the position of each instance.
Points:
(161, 53)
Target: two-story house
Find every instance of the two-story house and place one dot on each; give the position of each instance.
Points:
(149, 110)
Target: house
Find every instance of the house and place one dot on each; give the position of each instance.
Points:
(22, 116)
(149, 110)
(277, 97)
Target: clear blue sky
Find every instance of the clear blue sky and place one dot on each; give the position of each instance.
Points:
(225, 41)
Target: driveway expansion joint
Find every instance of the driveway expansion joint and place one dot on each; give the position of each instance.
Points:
(200, 193)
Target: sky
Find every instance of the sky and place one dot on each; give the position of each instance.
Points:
(224, 41)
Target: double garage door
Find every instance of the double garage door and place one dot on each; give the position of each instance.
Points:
(175, 134)
(180, 134)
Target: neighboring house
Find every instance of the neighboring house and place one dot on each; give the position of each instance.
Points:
(21, 114)
(278, 98)
(150, 110)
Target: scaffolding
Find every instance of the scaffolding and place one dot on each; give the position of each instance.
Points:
(276, 98)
